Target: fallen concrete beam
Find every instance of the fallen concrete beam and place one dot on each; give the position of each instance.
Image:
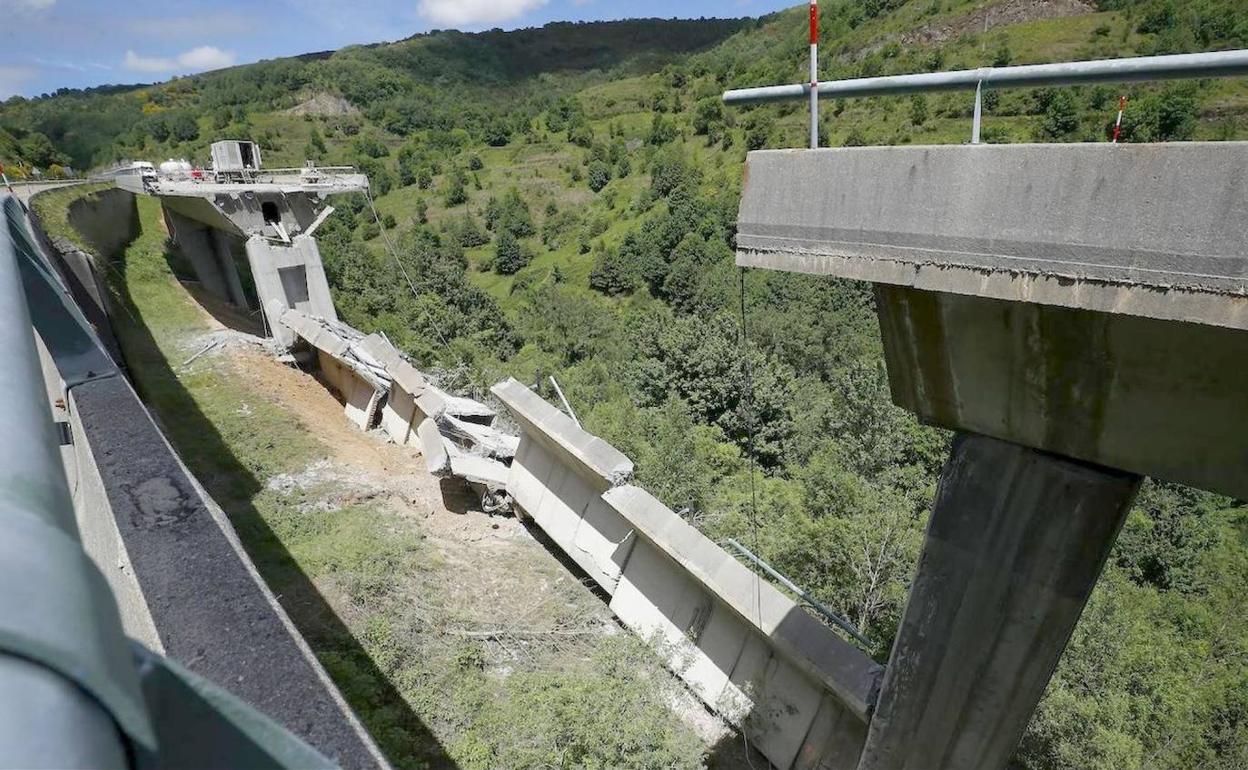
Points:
(397, 367)
(315, 333)
(480, 470)
(600, 462)
(478, 437)
(349, 369)
(800, 693)
(812, 646)
(433, 447)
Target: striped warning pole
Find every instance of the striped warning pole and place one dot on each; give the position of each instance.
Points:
(1122, 107)
(5, 177)
(814, 74)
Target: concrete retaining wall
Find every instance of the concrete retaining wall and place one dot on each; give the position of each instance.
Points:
(800, 693)
(105, 221)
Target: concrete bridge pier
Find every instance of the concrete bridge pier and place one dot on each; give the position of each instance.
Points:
(208, 251)
(273, 218)
(1075, 342)
(1016, 542)
(289, 276)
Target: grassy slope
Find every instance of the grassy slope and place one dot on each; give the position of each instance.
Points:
(425, 697)
(539, 169)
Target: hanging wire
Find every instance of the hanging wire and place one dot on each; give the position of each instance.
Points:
(394, 255)
(749, 422)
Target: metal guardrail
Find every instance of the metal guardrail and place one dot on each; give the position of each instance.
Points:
(1132, 70)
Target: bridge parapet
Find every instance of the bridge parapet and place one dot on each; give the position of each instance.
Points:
(800, 693)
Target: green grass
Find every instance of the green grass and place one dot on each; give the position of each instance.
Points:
(52, 208)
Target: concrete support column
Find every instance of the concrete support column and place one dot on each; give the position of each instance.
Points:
(221, 241)
(1015, 544)
(195, 242)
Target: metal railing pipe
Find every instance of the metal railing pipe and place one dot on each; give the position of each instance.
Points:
(834, 617)
(1133, 70)
(46, 719)
(32, 475)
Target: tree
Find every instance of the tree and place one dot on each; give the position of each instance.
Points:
(317, 142)
(158, 128)
(669, 171)
(468, 233)
(454, 191)
(707, 113)
(184, 127)
(1061, 118)
(509, 254)
(918, 109)
(509, 213)
(1003, 55)
(599, 175)
(1168, 115)
(662, 130)
(614, 274)
(497, 133)
(37, 150)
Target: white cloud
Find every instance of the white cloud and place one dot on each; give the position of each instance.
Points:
(26, 6)
(471, 13)
(205, 57)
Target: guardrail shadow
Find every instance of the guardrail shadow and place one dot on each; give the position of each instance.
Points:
(400, 733)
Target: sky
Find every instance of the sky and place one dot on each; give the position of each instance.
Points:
(49, 44)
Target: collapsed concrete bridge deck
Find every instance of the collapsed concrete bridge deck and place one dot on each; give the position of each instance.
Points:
(264, 220)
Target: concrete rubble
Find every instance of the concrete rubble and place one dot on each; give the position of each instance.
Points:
(381, 388)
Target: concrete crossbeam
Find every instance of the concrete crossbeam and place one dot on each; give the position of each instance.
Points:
(1015, 544)
(1153, 397)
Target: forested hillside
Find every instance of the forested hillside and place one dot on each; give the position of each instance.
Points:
(563, 201)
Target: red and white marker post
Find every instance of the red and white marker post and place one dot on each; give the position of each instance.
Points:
(1122, 107)
(814, 74)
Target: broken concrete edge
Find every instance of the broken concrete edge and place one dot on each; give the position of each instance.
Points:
(1024, 223)
(434, 448)
(320, 335)
(493, 442)
(401, 371)
(599, 462)
(480, 470)
(847, 672)
(310, 329)
(1170, 303)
